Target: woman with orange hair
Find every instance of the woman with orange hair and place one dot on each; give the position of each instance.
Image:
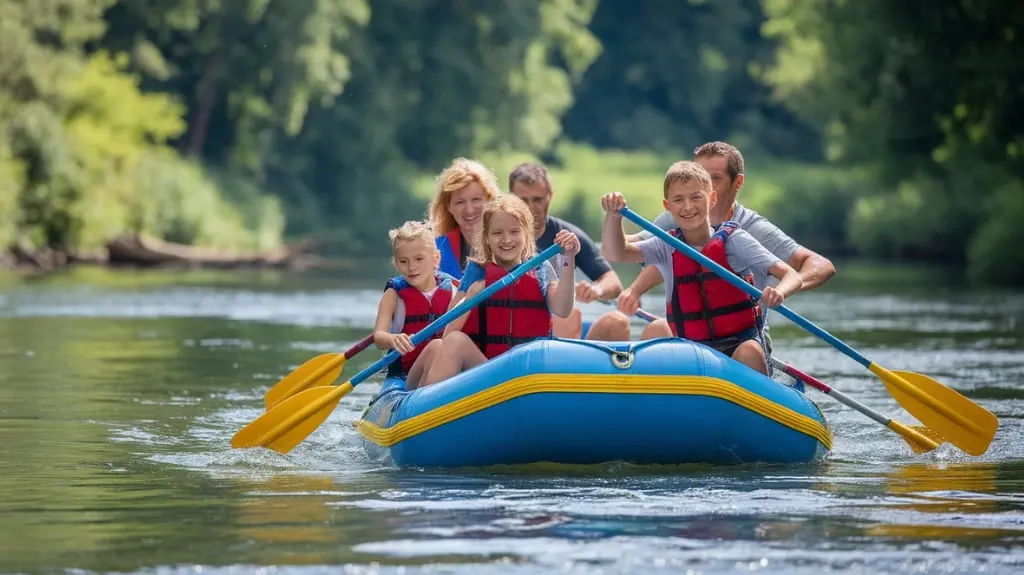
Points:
(463, 189)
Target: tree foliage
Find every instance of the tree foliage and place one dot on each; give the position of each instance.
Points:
(927, 94)
(677, 73)
(872, 127)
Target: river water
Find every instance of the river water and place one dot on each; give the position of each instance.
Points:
(120, 391)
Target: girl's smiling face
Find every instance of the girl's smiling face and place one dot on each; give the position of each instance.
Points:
(506, 239)
(466, 205)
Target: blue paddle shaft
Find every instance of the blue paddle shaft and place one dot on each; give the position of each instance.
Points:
(738, 282)
(453, 314)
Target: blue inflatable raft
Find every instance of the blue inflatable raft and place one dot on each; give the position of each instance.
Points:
(664, 401)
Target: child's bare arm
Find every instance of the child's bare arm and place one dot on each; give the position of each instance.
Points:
(382, 337)
(789, 283)
(614, 246)
(789, 278)
(561, 294)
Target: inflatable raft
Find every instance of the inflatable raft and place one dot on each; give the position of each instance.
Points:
(663, 401)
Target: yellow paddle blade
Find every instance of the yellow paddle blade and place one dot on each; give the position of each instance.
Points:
(919, 438)
(948, 414)
(292, 420)
(321, 370)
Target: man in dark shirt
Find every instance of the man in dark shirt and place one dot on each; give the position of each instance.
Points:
(532, 184)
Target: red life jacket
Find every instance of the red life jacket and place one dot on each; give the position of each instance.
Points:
(455, 242)
(514, 315)
(704, 306)
(419, 313)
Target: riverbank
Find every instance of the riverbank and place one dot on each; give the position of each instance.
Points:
(142, 251)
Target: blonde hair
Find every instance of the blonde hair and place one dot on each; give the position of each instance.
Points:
(410, 232)
(514, 207)
(459, 174)
(684, 172)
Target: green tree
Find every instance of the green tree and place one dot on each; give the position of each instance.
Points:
(926, 94)
(79, 132)
(674, 74)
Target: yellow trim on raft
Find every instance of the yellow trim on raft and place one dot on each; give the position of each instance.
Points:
(595, 383)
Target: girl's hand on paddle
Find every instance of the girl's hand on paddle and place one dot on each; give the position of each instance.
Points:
(629, 303)
(771, 297)
(402, 343)
(613, 203)
(569, 242)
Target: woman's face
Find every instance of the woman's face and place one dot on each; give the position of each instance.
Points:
(466, 205)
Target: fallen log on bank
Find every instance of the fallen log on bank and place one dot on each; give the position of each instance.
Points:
(144, 251)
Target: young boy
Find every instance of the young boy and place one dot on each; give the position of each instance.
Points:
(700, 306)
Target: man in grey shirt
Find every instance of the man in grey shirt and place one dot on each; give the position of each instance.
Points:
(725, 164)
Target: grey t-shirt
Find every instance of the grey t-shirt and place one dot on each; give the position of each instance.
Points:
(744, 254)
(762, 230)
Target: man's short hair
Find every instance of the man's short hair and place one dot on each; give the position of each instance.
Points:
(733, 157)
(530, 174)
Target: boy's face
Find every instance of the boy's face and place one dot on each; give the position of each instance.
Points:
(689, 204)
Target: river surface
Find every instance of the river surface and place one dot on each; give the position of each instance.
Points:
(120, 391)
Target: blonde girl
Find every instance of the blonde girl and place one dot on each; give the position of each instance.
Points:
(411, 300)
(516, 314)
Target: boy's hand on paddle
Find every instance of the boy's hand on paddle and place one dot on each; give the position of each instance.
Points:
(629, 302)
(586, 292)
(613, 202)
(771, 297)
(402, 343)
(569, 242)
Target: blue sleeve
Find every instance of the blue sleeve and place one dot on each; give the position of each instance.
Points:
(474, 273)
(545, 275)
(449, 263)
(396, 283)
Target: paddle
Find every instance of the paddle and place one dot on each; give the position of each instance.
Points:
(952, 416)
(319, 371)
(920, 438)
(286, 424)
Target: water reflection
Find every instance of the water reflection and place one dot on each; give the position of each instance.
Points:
(953, 502)
(118, 399)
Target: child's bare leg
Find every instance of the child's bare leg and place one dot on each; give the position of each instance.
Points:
(422, 365)
(657, 328)
(611, 326)
(751, 354)
(568, 327)
(456, 354)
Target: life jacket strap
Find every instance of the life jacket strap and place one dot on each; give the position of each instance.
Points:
(516, 304)
(421, 318)
(697, 277)
(708, 314)
(509, 340)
